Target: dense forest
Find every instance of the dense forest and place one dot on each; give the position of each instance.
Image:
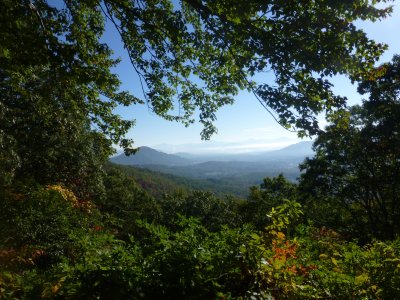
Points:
(75, 226)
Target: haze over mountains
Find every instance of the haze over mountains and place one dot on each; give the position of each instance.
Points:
(249, 167)
(251, 145)
(300, 150)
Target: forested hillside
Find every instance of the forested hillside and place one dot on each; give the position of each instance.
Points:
(74, 226)
(158, 184)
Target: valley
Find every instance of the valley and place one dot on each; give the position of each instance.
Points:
(230, 174)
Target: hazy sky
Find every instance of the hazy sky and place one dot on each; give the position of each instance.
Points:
(245, 123)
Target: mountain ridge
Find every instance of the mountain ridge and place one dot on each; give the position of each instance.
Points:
(303, 148)
(150, 156)
(267, 164)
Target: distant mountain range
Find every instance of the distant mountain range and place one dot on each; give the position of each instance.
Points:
(302, 149)
(149, 156)
(251, 167)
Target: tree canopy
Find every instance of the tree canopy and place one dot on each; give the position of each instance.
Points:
(59, 92)
(356, 167)
(189, 55)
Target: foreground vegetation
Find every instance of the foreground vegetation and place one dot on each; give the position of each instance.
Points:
(128, 245)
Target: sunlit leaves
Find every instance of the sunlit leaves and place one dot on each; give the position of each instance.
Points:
(357, 159)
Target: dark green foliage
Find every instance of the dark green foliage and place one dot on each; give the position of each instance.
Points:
(262, 199)
(125, 202)
(106, 268)
(44, 220)
(47, 141)
(190, 262)
(53, 63)
(9, 159)
(155, 183)
(212, 212)
(51, 81)
(353, 181)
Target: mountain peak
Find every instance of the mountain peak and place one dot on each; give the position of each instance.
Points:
(150, 156)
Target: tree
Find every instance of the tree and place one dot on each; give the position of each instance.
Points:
(223, 43)
(271, 193)
(126, 202)
(56, 72)
(357, 164)
(46, 139)
(212, 212)
(49, 95)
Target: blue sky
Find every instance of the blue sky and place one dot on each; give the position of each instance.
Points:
(245, 124)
